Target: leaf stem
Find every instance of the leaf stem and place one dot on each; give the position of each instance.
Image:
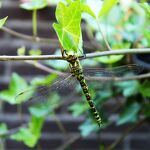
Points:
(34, 23)
(103, 36)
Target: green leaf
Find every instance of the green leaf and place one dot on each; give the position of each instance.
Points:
(44, 81)
(77, 109)
(145, 88)
(107, 5)
(88, 127)
(146, 7)
(30, 136)
(43, 109)
(34, 52)
(68, 28)
(129, 88)
(147, 109)
(85, 8)
(2, 21)
(21, 51)
(130, 114)
(3, 129)
(109, 59)
(16, 86)
(34, 5)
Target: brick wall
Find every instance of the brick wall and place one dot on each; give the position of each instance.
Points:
(20, 20)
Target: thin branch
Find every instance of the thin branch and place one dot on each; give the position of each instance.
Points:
(71, 140)
(120, 139)
(45, 68)
(136, 77)
(52, 42)
(90, 55)
(30, 38)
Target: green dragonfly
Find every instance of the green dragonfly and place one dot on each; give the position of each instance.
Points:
(81, 75)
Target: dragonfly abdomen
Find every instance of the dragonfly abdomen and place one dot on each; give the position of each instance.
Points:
(85, 89)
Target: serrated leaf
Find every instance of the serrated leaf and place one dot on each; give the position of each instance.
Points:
(2, 21)
(130, 114)
(107, 5)
(68, 28)
(16, 86)
(34, 5)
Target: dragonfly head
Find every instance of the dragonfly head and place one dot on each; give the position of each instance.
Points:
(71, 58)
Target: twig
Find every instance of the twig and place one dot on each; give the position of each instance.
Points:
(115, 143)
(45, 68)
(52, 42)
(90, 55)
(142, 76)
(70, 141)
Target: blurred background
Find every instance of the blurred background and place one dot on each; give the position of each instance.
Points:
(64, 120)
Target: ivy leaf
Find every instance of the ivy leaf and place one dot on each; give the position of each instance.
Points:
(30, 136)
(16, 86)
(43, 109)
(3, 129)
(2, 21)
(129, 88)
(68, 28)
(110, 59)
(77, 109)
(145, 88)
(88, 127)
(130, 114)
(107, 5)
(34, 5)
(44, 81)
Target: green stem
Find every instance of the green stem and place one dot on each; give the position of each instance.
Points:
(103, 36)
(34, 22)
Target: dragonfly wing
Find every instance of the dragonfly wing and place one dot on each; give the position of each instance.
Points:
(39, 94)
(113, 72)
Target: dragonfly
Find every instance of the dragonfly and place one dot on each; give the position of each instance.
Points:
(77, 72)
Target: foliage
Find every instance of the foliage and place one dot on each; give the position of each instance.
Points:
(128, 24)
(34, 5)
(30, 135)
(68, 27)
(2, 21)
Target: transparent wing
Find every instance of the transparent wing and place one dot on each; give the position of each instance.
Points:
(37, 94)
(112, 72)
